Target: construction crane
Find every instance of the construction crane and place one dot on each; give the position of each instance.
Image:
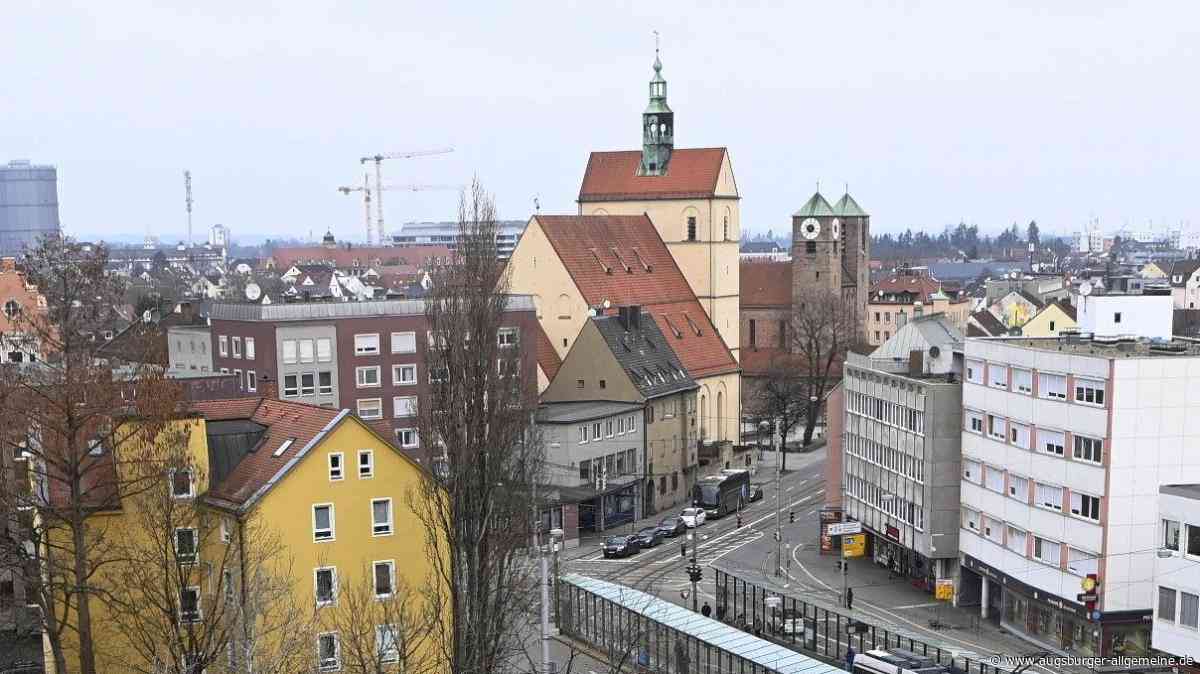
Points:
(379, 187)
(187, 200)
(366, 189)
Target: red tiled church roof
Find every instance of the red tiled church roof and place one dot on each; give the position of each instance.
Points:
(622, 259)
(613, 176)
(766, 284)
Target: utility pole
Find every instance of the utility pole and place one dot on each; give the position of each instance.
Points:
(778, 506)
(537, 542)
(694, 574)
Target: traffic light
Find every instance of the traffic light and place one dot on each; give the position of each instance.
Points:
(695, 573)
(792, 516)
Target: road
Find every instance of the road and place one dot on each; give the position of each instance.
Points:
(750, 552)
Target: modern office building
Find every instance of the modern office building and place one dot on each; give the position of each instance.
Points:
(1177, 572)
(28, 205)
(901, 442)
(1065, 443)
(508, 233)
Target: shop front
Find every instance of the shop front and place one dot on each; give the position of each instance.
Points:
(888, 551)
(1061, 624)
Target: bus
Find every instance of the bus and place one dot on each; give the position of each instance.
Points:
(896, 661)
(722, 494)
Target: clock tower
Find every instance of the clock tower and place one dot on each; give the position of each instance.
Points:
(658, 127)
(816, 248)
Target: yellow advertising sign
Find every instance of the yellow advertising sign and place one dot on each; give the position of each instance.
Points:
(854, 545)
(944, 589)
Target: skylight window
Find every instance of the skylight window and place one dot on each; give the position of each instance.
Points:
(284, 447)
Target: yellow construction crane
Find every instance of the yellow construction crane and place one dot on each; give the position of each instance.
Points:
(366, 190)
(376, 235)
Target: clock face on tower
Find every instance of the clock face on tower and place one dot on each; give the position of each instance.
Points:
(836, 228)
(810, 229)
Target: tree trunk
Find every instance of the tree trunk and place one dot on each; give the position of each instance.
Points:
(87, 655)
(810, 424)
(782, 448)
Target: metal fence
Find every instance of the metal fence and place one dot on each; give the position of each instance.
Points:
(826, 633)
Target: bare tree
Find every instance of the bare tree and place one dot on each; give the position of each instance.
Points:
(825, 326)
(381, 622)
(69, 417)
(477, 504)
(624, 644)
(782, 398)
(203, 590)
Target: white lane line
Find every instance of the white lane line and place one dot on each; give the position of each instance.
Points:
(930, 604)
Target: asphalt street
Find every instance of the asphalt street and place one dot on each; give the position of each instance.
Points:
(749, 551)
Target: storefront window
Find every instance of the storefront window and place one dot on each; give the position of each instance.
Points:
(1130, 640)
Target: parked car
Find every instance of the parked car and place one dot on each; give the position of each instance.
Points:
(649, 537)
(756, 492)
(693, 517)
(672, 526)
(621, 546)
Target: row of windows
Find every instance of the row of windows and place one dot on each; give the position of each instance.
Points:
(1045, 440)
(318, 350)
(307, 384)
(367, 344)
(329, 648)
(366, 465)
(887, 502)
(1079, 562)
(1172, 540)
(886, 411)
(223, 342)
(372, 408)
(887, 457)
(593, 432)
(1050, 386)
(1045, 496)
(325, 525)
(1188, 603)
(248, 382)
(612, 465)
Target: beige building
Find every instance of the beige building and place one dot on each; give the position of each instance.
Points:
(691, 197)
(627, 358)
(909, 293)
(575, 265)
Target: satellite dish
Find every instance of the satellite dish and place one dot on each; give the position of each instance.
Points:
(253, 292)
(607, 304)
(1085, 289)
(592, 311)
(935, 351)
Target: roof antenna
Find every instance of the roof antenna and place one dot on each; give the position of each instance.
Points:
(655, 43)
(818, 187)
(537, 206)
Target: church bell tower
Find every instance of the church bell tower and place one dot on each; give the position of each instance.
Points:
(658, 127)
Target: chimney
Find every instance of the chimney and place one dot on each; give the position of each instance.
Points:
(916, 363)
(187, 311)
(635, 317)
(268, 387)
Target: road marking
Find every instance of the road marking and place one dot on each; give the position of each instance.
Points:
(932, 603)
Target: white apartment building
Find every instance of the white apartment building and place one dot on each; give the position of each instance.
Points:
(1065, 444)
(1177, 572)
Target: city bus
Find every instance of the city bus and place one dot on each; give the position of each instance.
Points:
(722, 494)
(896, 661)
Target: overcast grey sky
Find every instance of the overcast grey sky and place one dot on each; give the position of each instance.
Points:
(931, 111)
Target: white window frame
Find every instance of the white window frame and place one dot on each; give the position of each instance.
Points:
(294, 391)
(1016, 491)
(237, 346)
(249, 348)
(1045, 379)
(973, 371)
(306, 391)
(223, 345)
(397, 374)
(1024, 537)
(973, 418)
(226, 530)
(363, 344)
(1083, 445)
(386, 635)
(991, 528)
(1094, 388)
(325, 390)
(251, 380)
(391, 565)
(336, 664)
(996, 423)
(289, 353)
(1018, 434)
(337, 473)
(1091, 562)
(194, 589)
(404, 407)
(507, 338)
(1051, 442)
(401, 432)
(1045, 503)
(308, 351)
(970, 520)
(191, 493)
(369, 464)
(396, 340)
(1159, 601)
(361, 374)
(989, 482)
(390, 524)
(195, 557)
(333, 586)
(993, 369)
(1081, 503)
(324, 350)
(332, 536)
(972, 471)
(358, 406)
(583, 434)
(1022, 381)
(1048, 544)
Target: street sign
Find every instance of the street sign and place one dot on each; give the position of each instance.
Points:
(944, 590)
(843, 528)
(854, 545)
(1086, 597)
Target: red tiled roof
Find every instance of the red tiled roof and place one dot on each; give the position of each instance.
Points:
(613, 176)
(342, 257)
(922, 286)
(298, 422)
(622, 259)
(547, 357)
(766, 284)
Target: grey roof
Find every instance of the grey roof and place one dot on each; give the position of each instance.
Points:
(570, 412)
(1185, 490)
(768, 656)
(918, 335)
(815, 206)
(989, 324)
(645, 355)
(1184, 269)
(316, 311)
(761, 247)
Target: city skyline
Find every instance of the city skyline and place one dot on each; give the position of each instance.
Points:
(931, 116)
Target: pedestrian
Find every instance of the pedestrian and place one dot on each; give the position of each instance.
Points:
(849, 598)
(850, 658)
(721, 613)
(706, 610)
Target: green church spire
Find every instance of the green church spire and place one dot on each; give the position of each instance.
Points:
(658, 125)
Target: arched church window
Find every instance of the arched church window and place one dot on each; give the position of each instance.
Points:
(691, 228)
(725, 225)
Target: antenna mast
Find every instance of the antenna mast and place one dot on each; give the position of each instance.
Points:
(187, 190)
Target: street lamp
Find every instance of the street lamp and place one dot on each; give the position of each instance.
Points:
(764, 427)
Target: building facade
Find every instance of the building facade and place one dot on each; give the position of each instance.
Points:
(364, 356)
(188, 349)
(20, 302)
(1065, 443)
(28, 205)
(901, 445)
(1177, 573)
(433, 234)
(907, 294)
